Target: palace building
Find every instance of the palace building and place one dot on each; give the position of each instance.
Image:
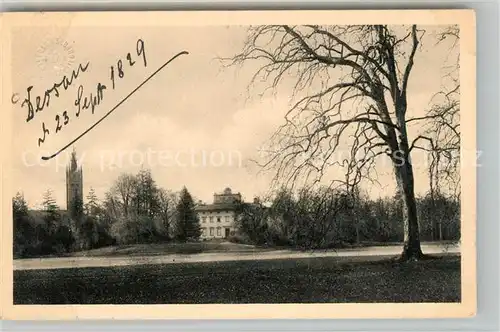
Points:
(217, 219)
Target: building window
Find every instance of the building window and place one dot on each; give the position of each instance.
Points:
(203, 231)
(211, 219)
(218, 219)
(211, 231)
(218, 231)
(227, 218)
(204, 219)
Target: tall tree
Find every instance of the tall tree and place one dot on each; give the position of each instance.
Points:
(252, 222)
(187, 221)
(440, 137)
(58, 237)
(23, 229)
(49, 202)
(441, 124)
(92, 205)
(133, 207)
(123, 192)
(19, 206)
(76, 208)
(167, 202)
(52, 209)
(145, 198)
(351, 86)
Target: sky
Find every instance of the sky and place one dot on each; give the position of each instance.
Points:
(194, 124)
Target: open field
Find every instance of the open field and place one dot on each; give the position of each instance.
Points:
(178, 253)
(154, 249)
(306, 280)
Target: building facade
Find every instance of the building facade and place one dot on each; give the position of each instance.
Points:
(217, 220)
(74, 182)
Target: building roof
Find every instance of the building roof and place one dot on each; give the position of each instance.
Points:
(216, 207)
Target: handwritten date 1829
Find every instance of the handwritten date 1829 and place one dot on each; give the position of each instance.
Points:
(141, 52)
(91, 101)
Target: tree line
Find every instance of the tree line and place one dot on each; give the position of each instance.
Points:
(134, 210)
(329, 218)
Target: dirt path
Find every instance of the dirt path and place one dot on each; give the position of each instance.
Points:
(77, 262)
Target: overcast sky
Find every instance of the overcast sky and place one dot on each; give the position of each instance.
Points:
(190, 109)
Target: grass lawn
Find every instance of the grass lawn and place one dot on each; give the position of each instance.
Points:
(308, 280)
(191, 248)
(154, 249)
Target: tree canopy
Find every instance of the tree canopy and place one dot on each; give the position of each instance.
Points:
(349, 105)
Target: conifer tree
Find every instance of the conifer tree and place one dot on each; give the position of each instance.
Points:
(52, 217)
(187, 223)
(92, 203)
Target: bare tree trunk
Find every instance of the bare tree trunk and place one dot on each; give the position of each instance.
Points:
(405, 181)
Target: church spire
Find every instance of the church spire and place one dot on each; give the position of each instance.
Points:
(74, 182)
(74, 164)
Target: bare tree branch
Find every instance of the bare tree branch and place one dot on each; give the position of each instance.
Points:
(348, 105)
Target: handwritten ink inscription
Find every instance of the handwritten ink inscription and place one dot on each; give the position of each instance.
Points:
(141, 52)
(83, 101)
(86, 101)
(40, 104)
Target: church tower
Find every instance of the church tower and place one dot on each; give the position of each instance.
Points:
(74, 182)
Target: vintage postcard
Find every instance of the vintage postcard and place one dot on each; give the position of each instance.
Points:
(240, 164)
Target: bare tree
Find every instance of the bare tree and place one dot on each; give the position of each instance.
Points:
(167, 209)
(440, 136)
(351, 87)
(445, 124)
(123, 191)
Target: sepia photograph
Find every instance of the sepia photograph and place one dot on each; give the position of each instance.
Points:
(227, 159)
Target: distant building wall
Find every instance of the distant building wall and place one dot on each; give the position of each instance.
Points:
(217, 224)
(217, 220)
